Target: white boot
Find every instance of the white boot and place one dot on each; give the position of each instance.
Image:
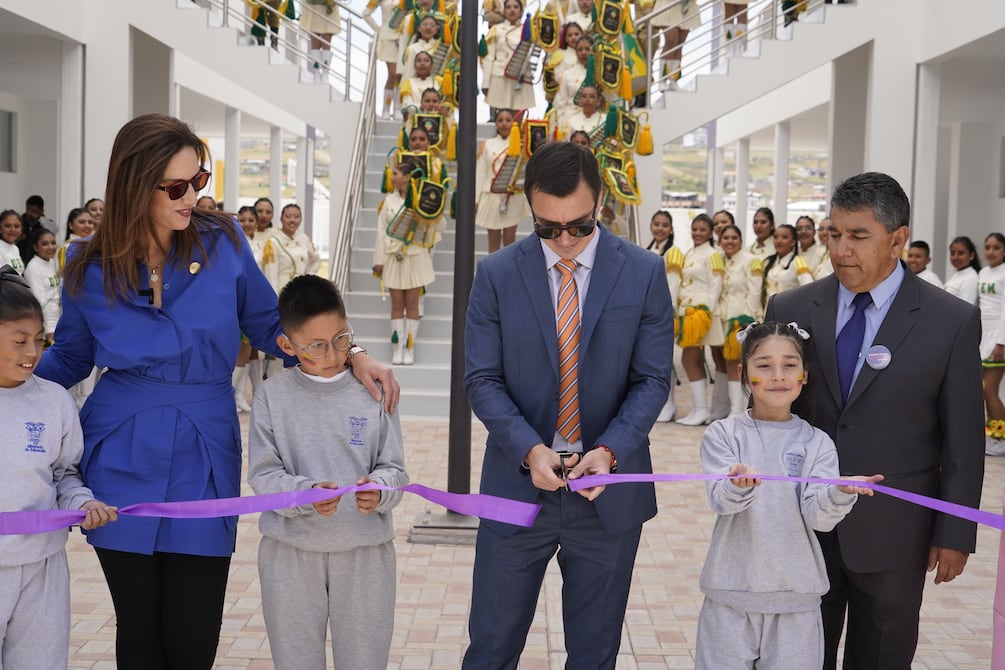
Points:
(239, 380)
(388, 112)
(672, 75)
(736, 38)
(254, 367)
(411, 330)
(397, 341)
(720, 397)
(314, 64)
(321, 73)
(699, 405)
(737, 399)
(396, 101)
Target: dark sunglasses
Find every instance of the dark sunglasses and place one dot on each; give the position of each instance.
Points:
(578, 229)
(179, 187)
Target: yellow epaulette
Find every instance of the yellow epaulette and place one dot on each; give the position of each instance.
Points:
(268, 253)
(491, 35)
(674, 260)
(756, 267)
(801, 265)
(481, 148)
(717, 262)
(62, 256)
(380, 206)
(405, 89)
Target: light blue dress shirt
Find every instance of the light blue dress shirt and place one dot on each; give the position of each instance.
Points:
(882, 298)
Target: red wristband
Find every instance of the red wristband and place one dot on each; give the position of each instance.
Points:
(614, 460)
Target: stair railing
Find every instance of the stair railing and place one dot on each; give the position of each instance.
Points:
(350, 48)
(340, 245)
(707, 45)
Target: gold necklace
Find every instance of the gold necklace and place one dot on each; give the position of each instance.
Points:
(154, 276)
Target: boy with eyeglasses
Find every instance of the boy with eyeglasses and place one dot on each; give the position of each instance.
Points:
(314, 426)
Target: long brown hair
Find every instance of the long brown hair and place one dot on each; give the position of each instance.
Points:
(140, 154)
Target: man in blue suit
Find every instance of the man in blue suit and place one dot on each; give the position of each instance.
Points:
(562, 401)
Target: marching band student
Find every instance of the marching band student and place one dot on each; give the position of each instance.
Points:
(661, 227)
(785, 268)
(500, 213)
(425, 42)
(388, 51)
(422, 79)
(570, 80)
(963, 258)
(589, 115)
(501, 43)
(582, 15)
(739, 305)
(700, 290)
(814, 254)
(289, 253)
(764, 231)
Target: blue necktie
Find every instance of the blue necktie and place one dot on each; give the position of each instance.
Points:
(849, 343)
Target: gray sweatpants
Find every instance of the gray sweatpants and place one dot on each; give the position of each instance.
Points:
(729, 639)
(305, 592)
(35, 614)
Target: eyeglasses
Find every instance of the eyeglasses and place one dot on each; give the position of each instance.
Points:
(318, 350)
(179, 187)
(577, 229)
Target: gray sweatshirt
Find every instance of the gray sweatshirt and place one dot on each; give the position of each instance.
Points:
(305, 432)
(42, 446)
(764, 556)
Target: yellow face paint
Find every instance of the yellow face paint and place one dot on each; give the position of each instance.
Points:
(755, 381)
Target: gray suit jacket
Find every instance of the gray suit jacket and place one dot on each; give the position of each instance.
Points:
(918, 421)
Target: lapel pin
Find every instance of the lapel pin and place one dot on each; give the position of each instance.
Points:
(194, 268)
(878, 357)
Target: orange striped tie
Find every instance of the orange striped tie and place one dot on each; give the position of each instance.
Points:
(568, 353)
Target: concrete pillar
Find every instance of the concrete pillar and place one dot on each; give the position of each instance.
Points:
(301, 197)
(308, 182)
(847, 115)
(107, 71)
(153, 74)
(926, 164)
(713, 185)
(69, 176)
(232, 158)
(742, 181)
(783, 138)
(276, 169)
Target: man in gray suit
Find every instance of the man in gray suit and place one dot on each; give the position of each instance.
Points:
(895, 380)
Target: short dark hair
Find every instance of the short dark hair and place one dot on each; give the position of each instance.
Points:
(557, 168)
(921, 244)
(35, 200)
(305, 297)
(877, 192)
(16, 299)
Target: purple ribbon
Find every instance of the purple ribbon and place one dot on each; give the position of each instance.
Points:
(481, 505)
(961, 511)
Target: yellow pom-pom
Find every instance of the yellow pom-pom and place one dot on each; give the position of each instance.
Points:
(447, 86)
(693, 326)
(448, 33)
(451, 142)
(385, 182)
(515, 145)
(645, 143)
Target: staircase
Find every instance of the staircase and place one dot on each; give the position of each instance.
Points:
(425, 386)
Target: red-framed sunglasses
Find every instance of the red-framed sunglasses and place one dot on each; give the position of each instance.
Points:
(179, 187)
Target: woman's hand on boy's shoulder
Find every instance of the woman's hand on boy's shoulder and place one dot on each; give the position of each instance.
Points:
(98, 514)
(326, 507)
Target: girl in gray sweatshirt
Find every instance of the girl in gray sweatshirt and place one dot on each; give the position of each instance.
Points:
(764, 572)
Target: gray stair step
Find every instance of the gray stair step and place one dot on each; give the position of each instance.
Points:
(376, 326)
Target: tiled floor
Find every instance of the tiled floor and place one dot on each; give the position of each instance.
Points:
(433, 584)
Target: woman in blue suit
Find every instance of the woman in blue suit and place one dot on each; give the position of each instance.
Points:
(157, 297)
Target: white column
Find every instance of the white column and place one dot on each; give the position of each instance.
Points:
(106, 69)
(742, 182)
(276, 169)
(891, 110)
(175, 100)
(308, 181)
(926, 164)
(69, 176)
(847, 115)
(232, 158)
(301, 198)
(783, 133)
(718, 169)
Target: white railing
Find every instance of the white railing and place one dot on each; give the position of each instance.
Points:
(350, 49)
(340, 245)
(706, 45)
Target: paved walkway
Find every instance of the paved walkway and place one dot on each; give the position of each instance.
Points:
(433, 582)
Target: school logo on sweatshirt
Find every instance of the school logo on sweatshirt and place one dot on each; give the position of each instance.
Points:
(34, 437)
(794, 463)
(357, 424)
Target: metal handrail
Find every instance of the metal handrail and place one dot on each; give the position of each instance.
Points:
(340, 245)
(356, 37)
(711, 49)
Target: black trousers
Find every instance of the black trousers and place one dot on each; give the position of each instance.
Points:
(168, 608)
(883, 613)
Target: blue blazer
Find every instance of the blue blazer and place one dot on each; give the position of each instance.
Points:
(511, 374)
